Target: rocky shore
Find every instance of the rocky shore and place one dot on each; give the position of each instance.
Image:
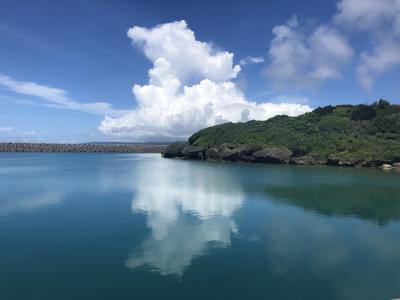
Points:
(110, 148)
(267, 155)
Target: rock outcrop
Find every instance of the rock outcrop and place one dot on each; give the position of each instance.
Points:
(273, 155)
(174, 151)
(386, 167)
(270, 155)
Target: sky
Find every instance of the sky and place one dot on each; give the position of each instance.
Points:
(94, 70)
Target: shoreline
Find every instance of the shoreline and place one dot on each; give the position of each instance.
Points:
(269, 156)
(81, 148)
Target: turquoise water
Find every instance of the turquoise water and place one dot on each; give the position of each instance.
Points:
(136, 226)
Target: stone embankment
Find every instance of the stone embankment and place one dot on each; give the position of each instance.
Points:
(268, 155)
(109, 148)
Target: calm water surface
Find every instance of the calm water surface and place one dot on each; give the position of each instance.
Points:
(136, 226)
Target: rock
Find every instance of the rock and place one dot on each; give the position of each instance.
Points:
(194, 152)
(273, 155)
(213, 154)
(248, 158)
(307, 160)
(347, 163)
(373, 163)
(342, 162)
(386, 167)
(230, 154)
(174, 150)
(332, 161)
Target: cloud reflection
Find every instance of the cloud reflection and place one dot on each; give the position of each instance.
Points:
(189, 212)
(22, 204)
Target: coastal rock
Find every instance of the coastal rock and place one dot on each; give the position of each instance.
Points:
(230, 154)
(248, 158)
(174, 150)
(373, 163)
(348, 163)
(307, 160)
(273, 155)
(386, 167)
(343, 162)
(213, 154)
(193, 152)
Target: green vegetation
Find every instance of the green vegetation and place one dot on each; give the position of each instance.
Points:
(365, 132)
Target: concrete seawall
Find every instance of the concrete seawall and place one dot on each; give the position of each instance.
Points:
(109, 148)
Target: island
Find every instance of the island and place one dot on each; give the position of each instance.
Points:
(343, 135)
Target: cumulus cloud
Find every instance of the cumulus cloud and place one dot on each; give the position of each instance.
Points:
(191, 59)
(367, 14)
(381, 20)
(301, 60)
(189, 88)
(382, 58)
(55, 97)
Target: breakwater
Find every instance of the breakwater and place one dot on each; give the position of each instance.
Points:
(109, 148)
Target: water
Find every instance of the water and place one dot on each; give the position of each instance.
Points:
(136, 226)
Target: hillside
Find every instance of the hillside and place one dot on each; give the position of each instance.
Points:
(344, 135)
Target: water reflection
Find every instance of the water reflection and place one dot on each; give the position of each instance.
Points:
(348, 258)
(22, 186)
(24, 203)
(275, 220)
(189, 212)
(369, 201)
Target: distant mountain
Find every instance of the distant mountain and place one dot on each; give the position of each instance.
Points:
(346, 135)
(131, 143)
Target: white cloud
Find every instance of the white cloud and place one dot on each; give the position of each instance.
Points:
(6, 129)
(252, 60)
(168, 106)
(302, 60)
(382, 58)
(11, 134)
(56, 98)
(191, 59)
(381, 20)
(367, 14)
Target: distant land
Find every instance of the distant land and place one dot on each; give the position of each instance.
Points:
(133, 143)
(343, 135)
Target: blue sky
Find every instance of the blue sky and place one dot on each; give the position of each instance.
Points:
(67, 68)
